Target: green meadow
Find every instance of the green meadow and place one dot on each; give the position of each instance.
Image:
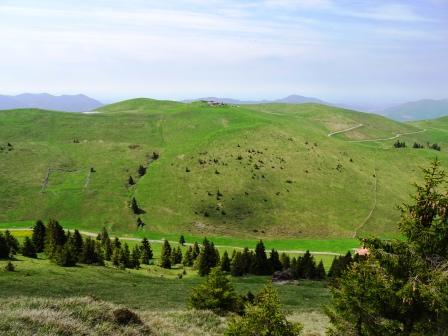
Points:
(234, 174)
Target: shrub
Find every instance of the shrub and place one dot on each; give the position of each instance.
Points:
(263, 318)
(216, 294)
(124, 316)
(10, 267)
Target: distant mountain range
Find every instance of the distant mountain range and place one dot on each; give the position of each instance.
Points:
(292, 99)
(65, 103)
(417, 110)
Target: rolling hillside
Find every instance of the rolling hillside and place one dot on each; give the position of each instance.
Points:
(271, 171)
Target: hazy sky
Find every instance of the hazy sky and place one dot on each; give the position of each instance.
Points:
(342, 51)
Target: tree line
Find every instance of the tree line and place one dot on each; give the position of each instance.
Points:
(67, 248)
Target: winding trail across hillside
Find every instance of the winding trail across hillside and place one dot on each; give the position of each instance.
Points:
(345, 130)
(391, 138)
(364, 222)
(160, 241)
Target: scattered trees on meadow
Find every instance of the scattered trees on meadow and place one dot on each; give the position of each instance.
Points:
(401, 286)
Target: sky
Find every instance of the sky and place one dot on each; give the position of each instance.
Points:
(342, 51)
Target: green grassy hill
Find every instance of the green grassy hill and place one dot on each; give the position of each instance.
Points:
(260, 171)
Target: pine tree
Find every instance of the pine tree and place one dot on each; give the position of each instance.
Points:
(165, 255)
(208, 258)
(286, 261)
(146, 251)
(196, 251)
(116, 256)
(28, 249)
(140, 223)
(237, 267)
(4, 248)
(55, 238)
(116, 243)
(274, 261)
(216, 294)
(77, 242)
(131, 181)
(103, 236)
(247, 260)
(65, 255)
(88, 255)
(125, 256)
(38, 236)
(13, 243)
(135, 258)
(320, 271)
(176, 256)
(134, 206)
(182, 240)
(260, 265)
(306, 266)
(225, 262)
(108, 249)
(187, 260)
(141, 170)
(264, 318)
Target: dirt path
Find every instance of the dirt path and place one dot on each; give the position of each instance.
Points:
(360, 226)
(391, 138)
(345, 130)
(160, 241)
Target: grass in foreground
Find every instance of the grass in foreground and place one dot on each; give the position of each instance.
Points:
(152, 292)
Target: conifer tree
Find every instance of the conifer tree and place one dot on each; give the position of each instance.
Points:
(265, 317)
(216, 294)
(176, 256)
(108, 249)
(320, 271)
(116, 256)
(4, 248)
(125, 256)
(188, 257)
(131, 181)
(55, 239)
(165, 255)
(141, 170)
(146, 251)
(88, 255)
(208, 258)
(38, 236)
(134, 206)
(260, 265)
(103, 236)
(12, 242)
(77, 242)
(65, 255)
(225, 262)
(116, 243)
(196, 251)
(182, 240)
(247, 260)
(237, 267)
(274, 261)
(286, 261)
(28, 249)
(135, 258)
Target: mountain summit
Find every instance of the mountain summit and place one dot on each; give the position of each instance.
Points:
(65, 103)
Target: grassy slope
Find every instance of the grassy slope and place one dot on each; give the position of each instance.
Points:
(290, 141)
